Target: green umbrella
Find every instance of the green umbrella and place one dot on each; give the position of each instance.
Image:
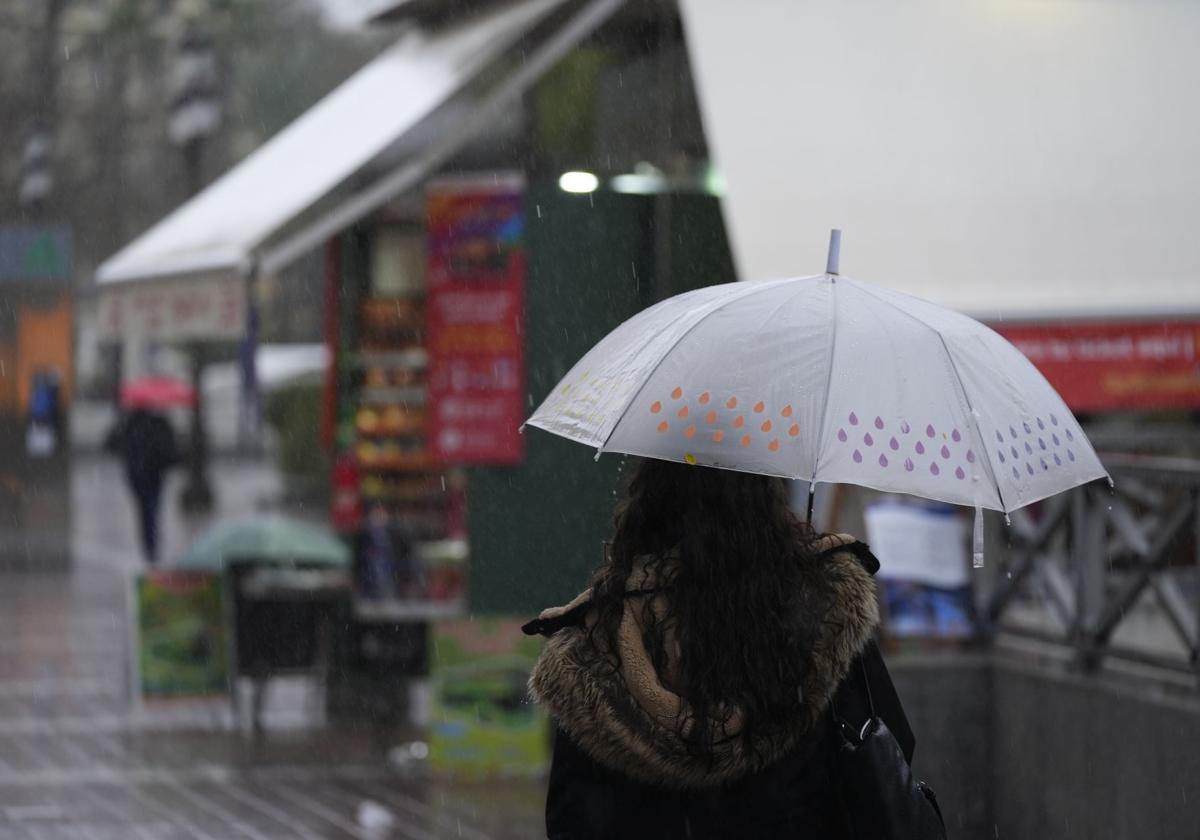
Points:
(268, 539)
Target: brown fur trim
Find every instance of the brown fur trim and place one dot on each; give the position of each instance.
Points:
(625, 720)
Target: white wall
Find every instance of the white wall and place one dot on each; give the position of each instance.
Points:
(999, 156)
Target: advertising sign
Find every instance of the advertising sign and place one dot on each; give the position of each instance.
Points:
(180, 634)
(1100, 366)
(474, 320)
(35, 254)
(483, 723)
(208, 308)
(922, 551)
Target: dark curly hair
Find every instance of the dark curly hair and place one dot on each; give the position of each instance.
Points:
(728, 554)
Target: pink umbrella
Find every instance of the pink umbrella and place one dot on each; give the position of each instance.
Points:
(156, 392)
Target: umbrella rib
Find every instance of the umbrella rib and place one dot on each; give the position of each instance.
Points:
(812, 483)
(734, 298)
(980, 444)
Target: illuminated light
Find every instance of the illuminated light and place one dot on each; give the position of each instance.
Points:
(578, 182)
(638, 184)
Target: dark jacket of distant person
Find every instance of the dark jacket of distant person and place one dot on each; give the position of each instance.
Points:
(147, 445)
(632, 756)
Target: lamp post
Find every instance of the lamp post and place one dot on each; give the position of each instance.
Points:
(37, 179)
(195, 114)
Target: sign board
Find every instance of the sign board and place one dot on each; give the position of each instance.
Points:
(924, 582)
(1102, 366)
(35, 254)
(475, 320)
(179, 629)
(483, 722)
(204, 307)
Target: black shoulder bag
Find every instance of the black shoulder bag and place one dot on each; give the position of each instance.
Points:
(880, 797)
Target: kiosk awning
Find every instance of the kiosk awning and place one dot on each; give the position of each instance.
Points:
(1011, 159)
(199, 255)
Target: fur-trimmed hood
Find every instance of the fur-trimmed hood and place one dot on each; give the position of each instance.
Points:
(627, 722)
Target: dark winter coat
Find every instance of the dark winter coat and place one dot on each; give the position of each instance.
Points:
(147, 444)
(621, 771)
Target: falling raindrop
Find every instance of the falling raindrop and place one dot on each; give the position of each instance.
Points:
(1069, 435)
(1053, 420)
(908, 464)
(853, 419)
(959, 474)
(955, 436)
(1057, 461)
(1054, 438)
(1041, 425)
(970, 456)
(999, 437)
(1071, 455)
(945, 452)
(857, 457)
(1000, 453)
(1028, 448)
(1014, 452)
(1015, 473)
(1026, 427)
(1012, 432)
(1042, 443)
(934, 468)
(879, 423)
(868, 440)
(904, 427)
(842, 435)
(920, 447)
(883, 461)
(1029, 468)
(894, 444)
(929, 431)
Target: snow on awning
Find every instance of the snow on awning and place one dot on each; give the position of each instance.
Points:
(218, 233)
(1011, 160)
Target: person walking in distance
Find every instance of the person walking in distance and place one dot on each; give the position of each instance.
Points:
(147, 446)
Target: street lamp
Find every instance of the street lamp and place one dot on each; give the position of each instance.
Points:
(195, 114)
(37, 179)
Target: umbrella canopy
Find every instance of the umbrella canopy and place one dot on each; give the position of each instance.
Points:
(826, 379)
(156, 392)
(270, 539)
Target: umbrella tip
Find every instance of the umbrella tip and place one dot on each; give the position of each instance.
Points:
(835, 250)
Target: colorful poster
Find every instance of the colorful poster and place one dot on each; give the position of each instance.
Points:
(1102, 366)
(474, 320)
(483, 723)
(179, 624)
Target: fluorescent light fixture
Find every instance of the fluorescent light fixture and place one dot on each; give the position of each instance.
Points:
(639, 184)
(578, 182)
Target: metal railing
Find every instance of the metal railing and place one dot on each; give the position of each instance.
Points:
(1076, 568)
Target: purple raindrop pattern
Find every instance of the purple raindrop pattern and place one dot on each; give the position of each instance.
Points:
(1045, 440)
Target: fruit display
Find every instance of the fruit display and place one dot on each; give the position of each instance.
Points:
(384, 424)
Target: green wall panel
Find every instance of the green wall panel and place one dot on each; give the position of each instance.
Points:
(537, 529)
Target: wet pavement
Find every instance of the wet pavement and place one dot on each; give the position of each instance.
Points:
(78, 761)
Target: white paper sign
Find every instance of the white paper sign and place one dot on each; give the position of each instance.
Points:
(209, 307)
(925, 545)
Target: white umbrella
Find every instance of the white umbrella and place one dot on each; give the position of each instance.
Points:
(827, 379)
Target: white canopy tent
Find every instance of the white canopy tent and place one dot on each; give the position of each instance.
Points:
(1008, 158)
(185, 277)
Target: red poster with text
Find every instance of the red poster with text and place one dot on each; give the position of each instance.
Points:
(474, 320)
(1104, 366)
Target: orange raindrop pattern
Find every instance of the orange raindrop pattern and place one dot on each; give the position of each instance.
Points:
(724, 422)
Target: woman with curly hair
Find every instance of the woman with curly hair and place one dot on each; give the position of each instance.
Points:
(691, 683)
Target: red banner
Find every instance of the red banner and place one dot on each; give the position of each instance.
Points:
(1100, 366)
(474, 321)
